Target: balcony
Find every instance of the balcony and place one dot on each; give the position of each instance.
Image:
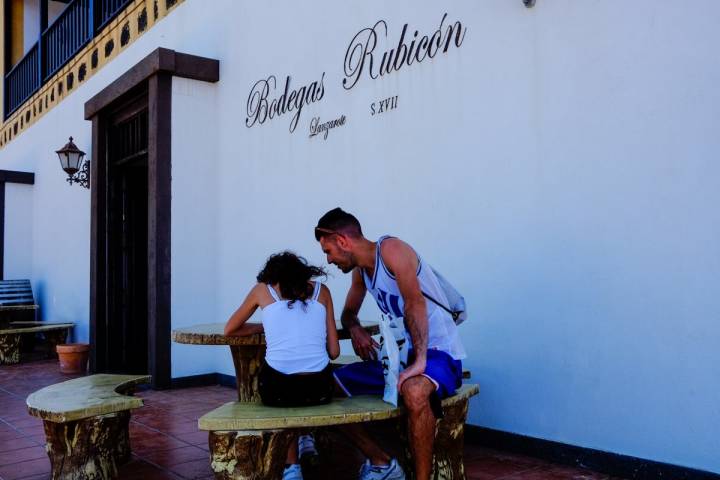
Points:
(74, 28)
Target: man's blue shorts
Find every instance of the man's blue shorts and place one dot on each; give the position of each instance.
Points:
(366, 378)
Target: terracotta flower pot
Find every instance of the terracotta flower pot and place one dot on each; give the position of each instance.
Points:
(73, 357)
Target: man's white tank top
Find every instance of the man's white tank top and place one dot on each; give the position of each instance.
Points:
(296, 337)
(442, 331)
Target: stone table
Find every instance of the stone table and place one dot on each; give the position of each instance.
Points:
(248, 351)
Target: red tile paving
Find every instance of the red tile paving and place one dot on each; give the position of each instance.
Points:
(167, 444)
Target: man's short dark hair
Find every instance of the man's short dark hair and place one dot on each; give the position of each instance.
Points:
(338, 221)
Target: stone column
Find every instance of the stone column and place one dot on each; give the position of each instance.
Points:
(249, 455)
(88, 449)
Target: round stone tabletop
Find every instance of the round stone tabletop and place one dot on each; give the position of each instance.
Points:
(214, 334)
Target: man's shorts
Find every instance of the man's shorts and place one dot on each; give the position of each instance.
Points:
(366, 378)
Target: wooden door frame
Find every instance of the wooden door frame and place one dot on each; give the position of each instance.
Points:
(9, 176)
(155, 73)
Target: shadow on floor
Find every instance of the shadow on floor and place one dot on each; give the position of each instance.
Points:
(167, 444)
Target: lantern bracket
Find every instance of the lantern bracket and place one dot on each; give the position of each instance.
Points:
(82, 177)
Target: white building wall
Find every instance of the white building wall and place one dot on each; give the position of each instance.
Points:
(31, 23)
(194, 261)
(559, 167)
(54, 10)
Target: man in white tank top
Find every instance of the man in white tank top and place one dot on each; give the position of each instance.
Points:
(396, 277)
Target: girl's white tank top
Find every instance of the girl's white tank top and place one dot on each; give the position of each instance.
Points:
(296, 336)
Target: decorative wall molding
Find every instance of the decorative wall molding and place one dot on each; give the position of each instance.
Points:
(139, 17)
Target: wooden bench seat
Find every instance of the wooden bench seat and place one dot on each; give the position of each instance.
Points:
(86, 424)
(10, 336)
(250, 440)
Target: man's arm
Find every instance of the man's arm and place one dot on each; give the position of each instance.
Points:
(402, 260)
(363, 344)
(353, 301)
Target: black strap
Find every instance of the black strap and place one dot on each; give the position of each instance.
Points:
(454, 315)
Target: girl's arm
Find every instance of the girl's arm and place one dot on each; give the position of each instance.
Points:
(333, 344)
(236, 325)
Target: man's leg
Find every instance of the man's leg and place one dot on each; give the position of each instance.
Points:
(292, 453)
(362, 378)
(364, 442)
(416, 393)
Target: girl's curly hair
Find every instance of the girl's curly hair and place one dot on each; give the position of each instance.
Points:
(292, 273)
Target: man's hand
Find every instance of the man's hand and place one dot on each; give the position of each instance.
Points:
(413, 370)
(363, 344)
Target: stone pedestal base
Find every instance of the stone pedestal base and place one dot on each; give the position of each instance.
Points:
(449, 443)
(248, 360)
(53, 338)
(249, 455)
(88, 449)
(9, 348)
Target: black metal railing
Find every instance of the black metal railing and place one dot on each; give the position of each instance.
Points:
(78, 23)
(24, 79)
(68, 34)
(107, 9)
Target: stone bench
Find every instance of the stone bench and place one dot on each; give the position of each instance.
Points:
(86, 424)
(250, 440)
(10, 335)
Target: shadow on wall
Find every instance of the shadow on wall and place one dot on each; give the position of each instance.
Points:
(39, 294)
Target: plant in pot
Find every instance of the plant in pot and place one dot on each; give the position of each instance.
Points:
(73, 357)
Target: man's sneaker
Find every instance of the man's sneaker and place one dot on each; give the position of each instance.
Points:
(292, 472)
(309, 457)
(386, 472)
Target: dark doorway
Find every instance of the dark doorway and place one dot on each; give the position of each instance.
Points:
(127, 241)
(130, 187)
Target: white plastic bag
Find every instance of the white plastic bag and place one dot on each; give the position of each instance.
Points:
(456, 302)
(393, 355)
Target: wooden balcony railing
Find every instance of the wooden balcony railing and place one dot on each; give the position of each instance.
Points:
(78, 23)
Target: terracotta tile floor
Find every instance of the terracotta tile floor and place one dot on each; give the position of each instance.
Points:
(167, 444)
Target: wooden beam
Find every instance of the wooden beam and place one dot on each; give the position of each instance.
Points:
(11, 176)
(161, 60)
(159, 207)
(43, 24)
(2, 230)
(43, 16)
(4, 57)
(98, 251)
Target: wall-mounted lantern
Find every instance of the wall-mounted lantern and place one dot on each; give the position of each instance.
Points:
(529, 3)
(71, 160)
